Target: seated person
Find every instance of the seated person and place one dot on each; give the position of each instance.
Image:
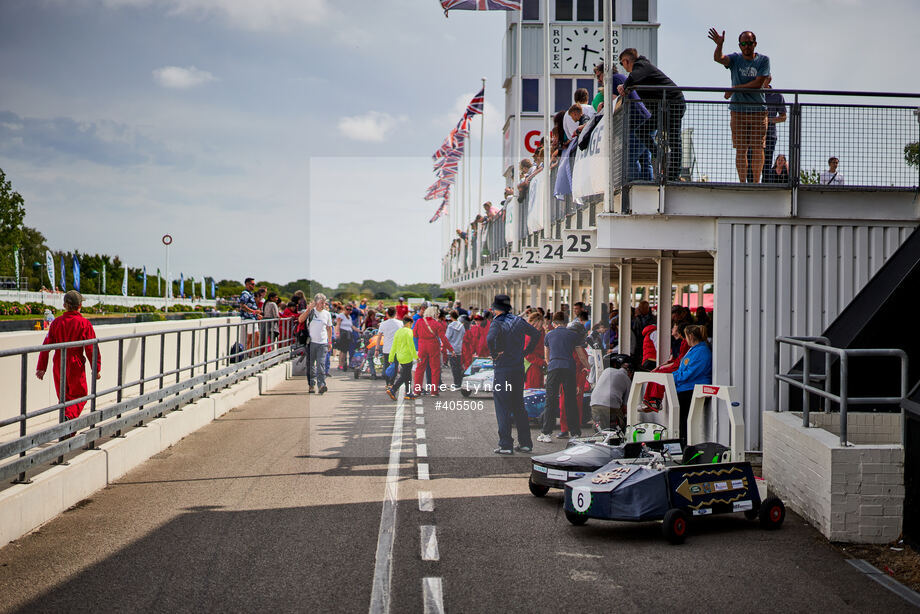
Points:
(608, 399)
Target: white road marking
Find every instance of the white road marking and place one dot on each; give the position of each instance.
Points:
(420, 420)
(423, 471)
(383, 565)
(433, 595)
(425, 501)
(418, 402)
(429, 536)
(421, 450)
(419, 410)
(420, 433)
(580, 555)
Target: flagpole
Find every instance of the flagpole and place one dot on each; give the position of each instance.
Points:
(482, 139)
(609, 63)
(547, 123)
(518, 145)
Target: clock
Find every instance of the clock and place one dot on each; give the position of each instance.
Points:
(582, 48)
(578, 49)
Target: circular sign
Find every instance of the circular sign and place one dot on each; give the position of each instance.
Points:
(581, 499)
(167, 239)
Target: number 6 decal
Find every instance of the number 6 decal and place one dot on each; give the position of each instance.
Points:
(581, 499)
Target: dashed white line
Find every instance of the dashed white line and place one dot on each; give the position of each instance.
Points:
(429, 541)
(423, 471)
(433, 595)
(419, 410)
(421, 450)
(420, 420)
(383, 565)
(425, 501)
(420, 433)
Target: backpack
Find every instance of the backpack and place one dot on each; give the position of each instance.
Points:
(236, 352)
(302, 334)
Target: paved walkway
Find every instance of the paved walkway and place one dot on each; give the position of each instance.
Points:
(277, 506)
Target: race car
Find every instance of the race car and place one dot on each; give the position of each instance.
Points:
(479, 382)
(585, 455)
(674, 485)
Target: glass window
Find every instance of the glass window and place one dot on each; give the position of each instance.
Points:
(585, 10)
(531, 10)
(640, 10)
(530, 95)
(564, 10)
(588, 84)
(563, 97)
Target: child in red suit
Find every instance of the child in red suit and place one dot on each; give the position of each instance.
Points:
(70, 326)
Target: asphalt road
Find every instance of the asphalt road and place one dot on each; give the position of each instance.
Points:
(279, 506)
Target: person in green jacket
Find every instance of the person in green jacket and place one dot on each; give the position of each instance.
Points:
(403, 353)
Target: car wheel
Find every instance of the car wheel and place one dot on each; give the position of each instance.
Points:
(537, 490)
(575, 518)
(772, 513)
(674, 527)
(465, 392)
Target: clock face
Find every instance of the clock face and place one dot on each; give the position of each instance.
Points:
(582, 48)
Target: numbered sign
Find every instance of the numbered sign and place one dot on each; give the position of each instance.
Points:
(578, 243)
(531, 256)
(551, 251)
(581, 498)
(505, 265)
(517, 262)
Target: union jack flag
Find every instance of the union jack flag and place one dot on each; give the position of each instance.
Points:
(475, 106)
(439, 212)
(480, 5)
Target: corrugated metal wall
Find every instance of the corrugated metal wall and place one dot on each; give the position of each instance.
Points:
(784, 279)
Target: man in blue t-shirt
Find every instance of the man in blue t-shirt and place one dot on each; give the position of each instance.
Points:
(748, 109)
(560, 371)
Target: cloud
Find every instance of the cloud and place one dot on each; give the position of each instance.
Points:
(176, 77)
(243, 14)
(46, 141)
(372, 127)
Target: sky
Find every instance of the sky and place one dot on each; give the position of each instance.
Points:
(285, 139)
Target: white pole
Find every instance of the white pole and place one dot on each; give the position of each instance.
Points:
(482, 139)
(518, 145)
(548, 114)
(168, 286)
(608, 100)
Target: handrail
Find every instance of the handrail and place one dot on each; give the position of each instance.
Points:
(722, 90)
(210, 368)
(843, 398)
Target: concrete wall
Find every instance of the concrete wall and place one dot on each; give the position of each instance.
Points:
(56, 300)
(40, 394)
(25, 507)
(862, 427)
(850, 494)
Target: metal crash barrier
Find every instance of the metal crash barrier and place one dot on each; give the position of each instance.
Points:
(219, 355)
(843, 399)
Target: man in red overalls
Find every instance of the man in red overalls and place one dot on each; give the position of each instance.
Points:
(70, 326)
(431, 339)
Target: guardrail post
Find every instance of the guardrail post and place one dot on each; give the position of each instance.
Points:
(121, 375)
(844, 401)
(23, 381)
(806, 380)
(205, 350)
(192, 357)
(776, 374)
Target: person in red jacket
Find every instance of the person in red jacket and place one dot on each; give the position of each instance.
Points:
(402, 310)
(649, 347)
(471, 342)
(70, 326)
(431, 338)
(655, 392)
(533, 377)
(483, 349)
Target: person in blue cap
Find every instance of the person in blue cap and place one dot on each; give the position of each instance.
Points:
(507, 348)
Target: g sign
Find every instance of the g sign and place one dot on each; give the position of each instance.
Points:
(532, 140)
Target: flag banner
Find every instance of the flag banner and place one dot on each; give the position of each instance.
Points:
(480, 5)
(49, 266)
(213, 289)
(76, 273)
(124, 283)
(102, 291)
(145, 280)
(476, 104)
(16, 264)
(181, 285)
(63, 275)
(439, 212)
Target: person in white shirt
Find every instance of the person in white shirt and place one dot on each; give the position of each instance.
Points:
(831, 176)
(611, 392)
(388, 329)
(455, 333)
(319, 324)
(569, 124)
